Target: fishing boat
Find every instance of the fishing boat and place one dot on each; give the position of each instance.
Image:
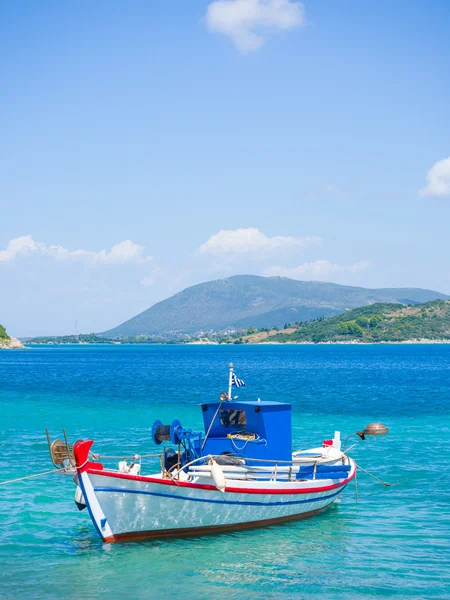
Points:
(239, 472)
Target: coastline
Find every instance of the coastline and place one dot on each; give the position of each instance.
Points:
(11, 343)
(268, 343)
(356, 343)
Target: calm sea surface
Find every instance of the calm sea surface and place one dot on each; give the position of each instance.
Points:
(395, 542)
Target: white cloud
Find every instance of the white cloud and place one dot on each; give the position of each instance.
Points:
(318, 268)
(25, 246)
(20, 245)
(248, 22)
(229, 242)
(438, 178)
(126, 251)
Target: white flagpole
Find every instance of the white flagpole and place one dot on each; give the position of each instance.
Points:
(230, 381)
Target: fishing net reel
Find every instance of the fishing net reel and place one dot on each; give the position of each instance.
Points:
(188, 442)
(165, 433)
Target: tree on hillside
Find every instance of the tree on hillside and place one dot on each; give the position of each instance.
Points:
(375, 320)
(363, 321)
(350, 328)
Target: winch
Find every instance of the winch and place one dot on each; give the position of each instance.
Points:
(187, 441)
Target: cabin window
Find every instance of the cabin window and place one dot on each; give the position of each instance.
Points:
(232, 418)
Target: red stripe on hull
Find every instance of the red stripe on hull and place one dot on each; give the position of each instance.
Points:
(237, 490)
(214, 529)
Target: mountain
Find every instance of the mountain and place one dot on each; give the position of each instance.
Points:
(370, 324)
(242, 301)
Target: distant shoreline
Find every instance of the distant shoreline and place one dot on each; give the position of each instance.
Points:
(356, 343)
(331, 343)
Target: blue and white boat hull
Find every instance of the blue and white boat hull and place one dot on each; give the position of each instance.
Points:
(126, 507)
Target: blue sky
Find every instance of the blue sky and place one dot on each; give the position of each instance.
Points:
(148, 146)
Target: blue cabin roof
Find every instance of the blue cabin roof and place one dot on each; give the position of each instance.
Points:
(269, 422)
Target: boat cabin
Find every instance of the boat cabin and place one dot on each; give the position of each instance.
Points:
(246, 429)
(253, 429)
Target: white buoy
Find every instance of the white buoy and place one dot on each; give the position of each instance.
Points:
(337, 440)
(217, 475)
(79, 498)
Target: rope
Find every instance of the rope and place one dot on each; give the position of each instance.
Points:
(213, 419)
(35, 475)
(248, 439)
(376, 478)
(40, 474)
(122, 457)
(236, 447)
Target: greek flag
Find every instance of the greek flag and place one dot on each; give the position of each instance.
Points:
(235, 382)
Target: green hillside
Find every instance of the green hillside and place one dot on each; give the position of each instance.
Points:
(376, 323)
(3, 334)
(244, 301)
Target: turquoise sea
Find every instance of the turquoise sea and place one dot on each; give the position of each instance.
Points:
(395, 542)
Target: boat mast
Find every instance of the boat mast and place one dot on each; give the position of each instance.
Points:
(230, 381)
